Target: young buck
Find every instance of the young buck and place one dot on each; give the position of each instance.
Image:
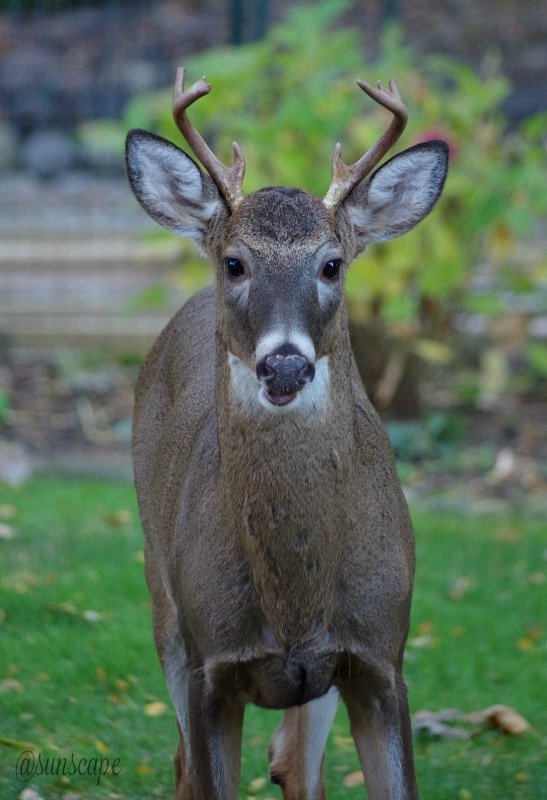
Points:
(279, 551)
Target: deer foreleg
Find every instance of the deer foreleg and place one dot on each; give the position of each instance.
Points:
(298, 745)
(216, 722)
(380, 726)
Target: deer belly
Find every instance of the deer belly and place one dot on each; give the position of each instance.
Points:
(276, 681)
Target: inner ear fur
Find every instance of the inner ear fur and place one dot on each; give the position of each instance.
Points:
(399, 194)
(170, 186)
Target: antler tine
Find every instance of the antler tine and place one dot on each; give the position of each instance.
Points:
(228, 179)
(346, 176)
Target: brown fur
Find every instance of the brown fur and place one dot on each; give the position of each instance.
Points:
(279, 552)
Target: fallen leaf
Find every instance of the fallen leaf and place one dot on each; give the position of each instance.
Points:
(434, 723)
(156, 708)
(10, 685)
(524, 643)
(421, 642)
(120, 518)
(343, 741)
(68, 608)
(143, 769)
(101, 747)
(18, 745)
(7, 532)
(536, 578)
(30, 794)
(354, 779)
(91, 616)
(508, 535)
(460, 588)
(8, 511)
(504, 718)
(257, 784)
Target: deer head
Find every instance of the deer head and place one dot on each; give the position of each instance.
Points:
(281, 254)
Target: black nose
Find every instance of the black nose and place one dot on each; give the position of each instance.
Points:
(285, 373)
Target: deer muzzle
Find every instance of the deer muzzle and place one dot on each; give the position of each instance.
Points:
(284, 376)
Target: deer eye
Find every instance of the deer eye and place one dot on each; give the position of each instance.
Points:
(234, 267)
(331, 270)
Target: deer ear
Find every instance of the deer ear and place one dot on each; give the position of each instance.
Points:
(399, 194)
(170, 186)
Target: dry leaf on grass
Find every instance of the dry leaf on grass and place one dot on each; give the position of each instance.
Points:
(155, 709)
(30, 794)
(18, 745)
(504, 718)
(70, 610)
(10, 685)
(7, 532)
(354, 779)
(460, 588)
(119, 519)
(8, 511)
(434, 723)
(257, 784)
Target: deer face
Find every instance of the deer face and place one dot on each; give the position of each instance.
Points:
(281, 254)
(280, 270)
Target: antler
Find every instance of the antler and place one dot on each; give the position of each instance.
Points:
(228, 179)
(346, 176)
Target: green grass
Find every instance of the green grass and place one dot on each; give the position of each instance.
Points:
(68, 685)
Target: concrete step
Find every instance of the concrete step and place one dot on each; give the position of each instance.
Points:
(77, 254)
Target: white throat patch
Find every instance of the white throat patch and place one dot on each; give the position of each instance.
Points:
(249, 394)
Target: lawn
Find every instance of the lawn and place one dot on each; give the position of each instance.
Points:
(78, 669)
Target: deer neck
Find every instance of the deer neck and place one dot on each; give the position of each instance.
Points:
(286, 480)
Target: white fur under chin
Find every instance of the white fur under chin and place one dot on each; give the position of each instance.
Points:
(249, 394)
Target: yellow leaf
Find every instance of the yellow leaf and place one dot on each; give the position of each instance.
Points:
(101, 747)
(120, 518)
(343, 741)
(155, 709)
(8, 511)
(354, 779)
(523, 776)
(122, 685)
(143, 769)
(257, 784)
(525, 643)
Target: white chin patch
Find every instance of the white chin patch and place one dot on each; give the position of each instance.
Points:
(250, 395)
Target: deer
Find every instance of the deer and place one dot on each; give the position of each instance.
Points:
(279, 551)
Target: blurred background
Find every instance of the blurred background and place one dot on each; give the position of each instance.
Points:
(449, 323)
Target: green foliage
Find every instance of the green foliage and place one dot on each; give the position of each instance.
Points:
(290, 97)
(437, 437)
